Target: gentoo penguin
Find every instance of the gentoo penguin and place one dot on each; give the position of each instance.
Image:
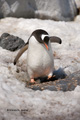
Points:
(40, 62)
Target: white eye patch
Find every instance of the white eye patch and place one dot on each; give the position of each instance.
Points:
(43, 36)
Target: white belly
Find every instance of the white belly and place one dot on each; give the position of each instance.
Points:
(39, 59)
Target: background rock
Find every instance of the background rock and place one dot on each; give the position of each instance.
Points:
(11, 42)
(47, 9)
(78, 5)
(56, 9)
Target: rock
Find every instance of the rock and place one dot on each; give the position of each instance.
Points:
(78, 5)
(63, 10)
(1, 14)
(11, 42)
(18, 8)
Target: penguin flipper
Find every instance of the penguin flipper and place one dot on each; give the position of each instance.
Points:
(23, 49)
(55, 39)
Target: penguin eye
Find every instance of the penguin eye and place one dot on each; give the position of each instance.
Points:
(44, 37)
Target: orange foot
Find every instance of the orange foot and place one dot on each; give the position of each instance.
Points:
(49, 76)
(32, 81)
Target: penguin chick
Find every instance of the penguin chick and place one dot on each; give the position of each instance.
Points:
(40, 61)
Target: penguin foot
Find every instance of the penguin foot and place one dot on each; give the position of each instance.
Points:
(32, 81)
(49, 76)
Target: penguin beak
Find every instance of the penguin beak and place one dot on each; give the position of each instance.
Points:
(46, 46)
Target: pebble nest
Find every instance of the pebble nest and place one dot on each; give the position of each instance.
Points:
(67, 84)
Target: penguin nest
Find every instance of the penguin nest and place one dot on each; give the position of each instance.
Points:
(67, 84)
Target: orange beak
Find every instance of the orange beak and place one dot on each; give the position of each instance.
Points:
(46, 46)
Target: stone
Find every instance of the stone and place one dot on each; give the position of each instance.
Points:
(18, 8)
(78, 5)
(63, 10)
(11, 42)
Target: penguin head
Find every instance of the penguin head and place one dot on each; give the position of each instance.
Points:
(41, 36)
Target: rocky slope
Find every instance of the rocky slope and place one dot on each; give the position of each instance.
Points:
(64, 10)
